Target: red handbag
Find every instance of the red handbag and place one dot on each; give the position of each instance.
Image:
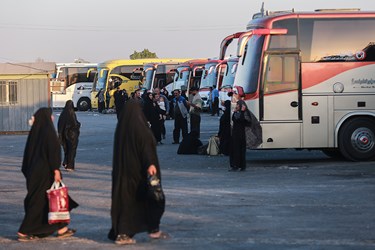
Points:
(58, 203)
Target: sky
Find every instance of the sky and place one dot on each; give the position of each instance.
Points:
(96, 31)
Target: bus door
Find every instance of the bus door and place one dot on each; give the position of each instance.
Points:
(280, 107)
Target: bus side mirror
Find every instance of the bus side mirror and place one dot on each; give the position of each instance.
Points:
(226, 42)
(242, 41)
(244, 38)
(89, 72)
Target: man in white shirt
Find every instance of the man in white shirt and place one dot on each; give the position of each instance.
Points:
(195, 110)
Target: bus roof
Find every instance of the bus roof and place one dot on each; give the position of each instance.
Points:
(174, 62)
(266, 20)
(76, 64)
(195, 62)
(136, 62)
(214, 61)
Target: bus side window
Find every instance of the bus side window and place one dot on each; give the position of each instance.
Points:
(281, 74)
(274, 70)
(73, 79)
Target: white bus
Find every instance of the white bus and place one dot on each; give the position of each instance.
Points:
(73, 81)
(309, 77)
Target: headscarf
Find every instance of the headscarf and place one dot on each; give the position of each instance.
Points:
(241, 103)
(42, 136)
(247, 115)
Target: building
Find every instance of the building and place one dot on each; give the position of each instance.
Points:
(24, 88)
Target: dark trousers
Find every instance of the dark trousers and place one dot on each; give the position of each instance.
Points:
(162, 127)
(195, 124)
(101, 106)
(215, 106)
(180, 123)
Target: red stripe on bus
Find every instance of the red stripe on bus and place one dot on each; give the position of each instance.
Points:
(315, 73)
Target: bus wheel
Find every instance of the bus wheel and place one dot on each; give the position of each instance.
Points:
(83, 104)
(357, 139)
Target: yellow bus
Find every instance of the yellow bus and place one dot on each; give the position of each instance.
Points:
(127, 74)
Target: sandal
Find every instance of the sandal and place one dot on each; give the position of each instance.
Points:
(26, 237)
(159, 235)
(69, 232)
(123, 239)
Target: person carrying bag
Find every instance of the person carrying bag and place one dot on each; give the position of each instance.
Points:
(40, 167)
(58, 202)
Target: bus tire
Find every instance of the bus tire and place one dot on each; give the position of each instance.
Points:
(357, 139)
(83, 104)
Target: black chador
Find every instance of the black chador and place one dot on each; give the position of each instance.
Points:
(41, 158)
(134, 151)
(68, 129)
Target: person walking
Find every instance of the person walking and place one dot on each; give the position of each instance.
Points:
(152, 114)
(241, 118)
(107, 99)
(161, 101)
(120, 97)
(68, 130)
(225, 129)
(180, 108)
(195, 111)
(209, 99)
(101, 101)
(40, 166)
(134, 159)
(215, 101)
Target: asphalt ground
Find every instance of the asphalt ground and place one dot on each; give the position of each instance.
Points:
(286, 199)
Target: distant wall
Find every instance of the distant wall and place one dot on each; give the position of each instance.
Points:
(20, 97)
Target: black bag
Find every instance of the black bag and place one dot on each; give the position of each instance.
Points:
(155, 192)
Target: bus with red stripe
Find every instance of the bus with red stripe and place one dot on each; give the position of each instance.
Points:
(309, 78)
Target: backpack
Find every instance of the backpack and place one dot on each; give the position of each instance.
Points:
(213, 145)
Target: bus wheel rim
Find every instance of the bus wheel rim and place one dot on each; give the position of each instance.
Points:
(363, 140)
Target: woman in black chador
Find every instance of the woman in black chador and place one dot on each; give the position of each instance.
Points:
(241, 118)
(40, 166)
(68, 129)
(152, 113)
(134, 159)
(225, 130)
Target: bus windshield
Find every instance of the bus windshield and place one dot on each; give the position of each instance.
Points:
(148, 75)
(73, 75)
(229, 75)
(249, 65)
(209, 76)
(101, 79)
(181, 77)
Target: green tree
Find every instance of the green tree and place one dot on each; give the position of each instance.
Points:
(144, 54)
